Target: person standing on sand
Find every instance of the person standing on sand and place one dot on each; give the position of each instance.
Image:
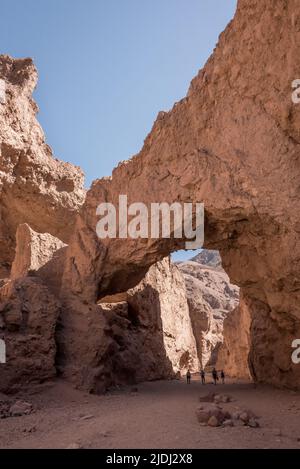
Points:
(188, 377)
(223, 377)
(202, 374)
(215, 376)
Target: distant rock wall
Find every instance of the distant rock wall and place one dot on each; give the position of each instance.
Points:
(211, 297)
(233, 356)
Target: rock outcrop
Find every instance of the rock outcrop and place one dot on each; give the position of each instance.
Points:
(232, 143)
(144, 334)
(35, 188)
(211, 297)
(160, 300)
(29, 310)
(233, 355)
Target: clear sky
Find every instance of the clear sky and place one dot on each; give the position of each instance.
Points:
(107, 67)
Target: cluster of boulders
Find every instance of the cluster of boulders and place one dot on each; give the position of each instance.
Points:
(15, 409)
(211, 414)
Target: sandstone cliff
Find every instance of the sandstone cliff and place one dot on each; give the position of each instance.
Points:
(144, 334)
(29, 310)
(232, 143)
(233, 356)
(35, 188)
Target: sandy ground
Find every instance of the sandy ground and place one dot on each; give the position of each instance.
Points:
(160, 415)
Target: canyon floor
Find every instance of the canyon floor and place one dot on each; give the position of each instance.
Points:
(159, 415)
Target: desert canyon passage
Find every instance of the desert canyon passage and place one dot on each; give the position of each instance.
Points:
(96, 330)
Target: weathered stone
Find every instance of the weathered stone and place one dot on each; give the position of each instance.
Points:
(207, 411)
(248, 181)
(20, 408)
(213, 422)
(147, 337)
(233, 354)
(29, 310)
(211, 297)
(35, 187)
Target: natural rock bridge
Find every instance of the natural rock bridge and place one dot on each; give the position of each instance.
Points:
(232, 143)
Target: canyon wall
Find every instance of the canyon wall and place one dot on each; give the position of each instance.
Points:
(35, 187)
(29, 311)
(233, 355)
(232, 143)
(142, 335)
(211, 298)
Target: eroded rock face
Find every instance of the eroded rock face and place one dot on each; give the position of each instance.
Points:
(28, 315)
(232, 143)
(211, 297)
(160, 300)
(143, 335)
(29, 310)
(233, 356)
(35, 188)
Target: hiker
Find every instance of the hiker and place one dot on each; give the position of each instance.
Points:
(188, 377)
(215, 376)
(202, 374)
(223, 377)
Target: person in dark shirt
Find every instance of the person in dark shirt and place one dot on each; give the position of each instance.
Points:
(215, 376)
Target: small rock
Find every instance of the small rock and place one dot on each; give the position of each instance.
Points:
(20, 408)
(238, 423)
(222, 398)
(244, 417)
(213, 421)
(235, 415)
(30, 430)
(253, 423)
(207, 398)
(205, 411)
(86, 417)
(228, 423)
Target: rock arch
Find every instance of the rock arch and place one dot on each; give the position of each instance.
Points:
(232, 143)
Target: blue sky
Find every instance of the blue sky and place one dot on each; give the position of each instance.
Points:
(107, 67)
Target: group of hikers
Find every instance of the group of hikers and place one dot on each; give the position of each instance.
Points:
(214, 373)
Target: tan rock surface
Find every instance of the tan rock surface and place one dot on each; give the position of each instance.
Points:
(28, 315)
(232, 143)
(234, 352)
(147, 337)
(211, 297)
(160, 299)
(35, 188)
(29, 310)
